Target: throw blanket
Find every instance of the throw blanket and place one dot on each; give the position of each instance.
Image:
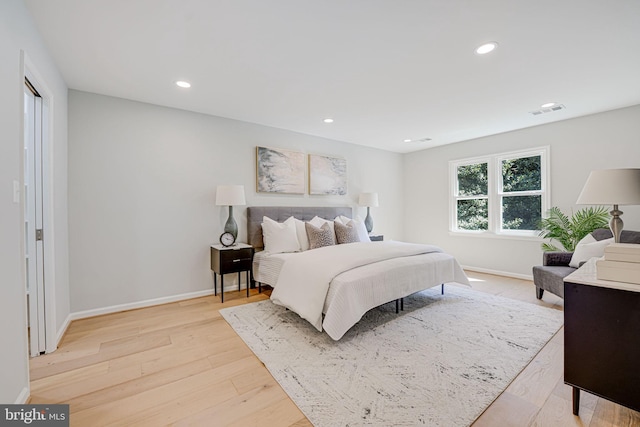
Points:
(304, 279)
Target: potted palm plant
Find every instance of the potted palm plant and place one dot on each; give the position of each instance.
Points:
(567, 231)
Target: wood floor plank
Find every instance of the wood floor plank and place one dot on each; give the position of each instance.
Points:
(215, 383)
(235, 408)
(539, 378)
(63, 378)
(558, 412)
(252, 379)
(608, 414)
(64, 353)
(68, 391)
(181, 354)
(179, 407)
(283, 413)
(136, 346)
(564, 391)
(302, 423)
(119, 390)
(508, 410)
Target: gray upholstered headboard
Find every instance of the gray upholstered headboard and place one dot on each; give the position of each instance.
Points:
(281, 213)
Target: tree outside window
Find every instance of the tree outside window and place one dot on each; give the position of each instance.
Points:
(521, 195)
(472, 197)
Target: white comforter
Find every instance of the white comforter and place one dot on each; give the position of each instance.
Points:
(304, 280)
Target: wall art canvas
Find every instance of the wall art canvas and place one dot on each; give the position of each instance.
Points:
(327, 175)
(279, 171)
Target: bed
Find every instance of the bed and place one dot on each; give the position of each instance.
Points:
(333, 287)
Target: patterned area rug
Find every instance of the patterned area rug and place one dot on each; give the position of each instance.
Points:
(440, 362)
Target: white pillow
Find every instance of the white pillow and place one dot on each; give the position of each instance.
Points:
(588, 248)
(301, 231)
(280, 237)
(342, 219)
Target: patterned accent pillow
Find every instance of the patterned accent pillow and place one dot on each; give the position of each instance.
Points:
(346, 233)
(320, 236)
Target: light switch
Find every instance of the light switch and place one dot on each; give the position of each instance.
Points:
(16, 192)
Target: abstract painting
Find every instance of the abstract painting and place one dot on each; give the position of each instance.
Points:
(279, 171)
(327, 175)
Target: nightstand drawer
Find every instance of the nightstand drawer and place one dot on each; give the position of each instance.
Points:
(231, 260)
(233, 265)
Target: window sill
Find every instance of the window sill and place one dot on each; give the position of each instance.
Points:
(491, 235)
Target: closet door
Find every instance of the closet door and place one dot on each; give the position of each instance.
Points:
(34, 244)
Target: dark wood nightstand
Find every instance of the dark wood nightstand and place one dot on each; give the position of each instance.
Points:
(378, 238)
(231, 259)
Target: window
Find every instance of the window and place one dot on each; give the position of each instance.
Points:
(472, 204)
(502, 194)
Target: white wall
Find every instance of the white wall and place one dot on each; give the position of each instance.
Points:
(17, 32)
(142, 182)
(600, 141)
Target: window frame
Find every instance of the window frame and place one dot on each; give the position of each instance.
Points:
(496, 194)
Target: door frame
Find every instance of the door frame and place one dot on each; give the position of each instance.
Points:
(30, 71)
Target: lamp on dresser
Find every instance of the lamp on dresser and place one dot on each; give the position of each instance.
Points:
(369, 200)
(612, 187)
(230, 195)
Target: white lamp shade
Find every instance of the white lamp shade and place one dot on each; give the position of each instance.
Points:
(611, 187)
(230, 195)
(368, 199)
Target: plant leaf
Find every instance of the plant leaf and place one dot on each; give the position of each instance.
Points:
(569, 231)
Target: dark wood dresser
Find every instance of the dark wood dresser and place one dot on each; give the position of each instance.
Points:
(602, 338)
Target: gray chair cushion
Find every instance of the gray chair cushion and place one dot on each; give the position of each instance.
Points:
(551, 278)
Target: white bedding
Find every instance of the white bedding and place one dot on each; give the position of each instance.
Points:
(267, 266)
(357, 291)
(345, 281)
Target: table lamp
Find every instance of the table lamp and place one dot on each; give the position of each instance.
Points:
(612, 187)
(230, 195)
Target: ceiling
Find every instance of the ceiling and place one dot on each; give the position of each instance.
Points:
(384, 70)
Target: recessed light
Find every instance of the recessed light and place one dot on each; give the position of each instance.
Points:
(486, 48)
(328, 120)
(548, 105)
(183, 84)
(407, 140)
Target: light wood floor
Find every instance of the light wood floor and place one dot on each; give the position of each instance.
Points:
(182, 364)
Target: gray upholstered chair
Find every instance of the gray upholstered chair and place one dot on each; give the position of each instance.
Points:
(555, 265)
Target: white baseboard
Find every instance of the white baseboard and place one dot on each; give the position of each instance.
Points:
(62, 330)
(140, 304)
(498, 272)
(23, 396)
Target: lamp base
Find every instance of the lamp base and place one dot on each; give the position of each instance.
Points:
(616, 223)
(230, 226)
(368, 222)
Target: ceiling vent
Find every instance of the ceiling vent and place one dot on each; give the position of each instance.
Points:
(548, 110)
